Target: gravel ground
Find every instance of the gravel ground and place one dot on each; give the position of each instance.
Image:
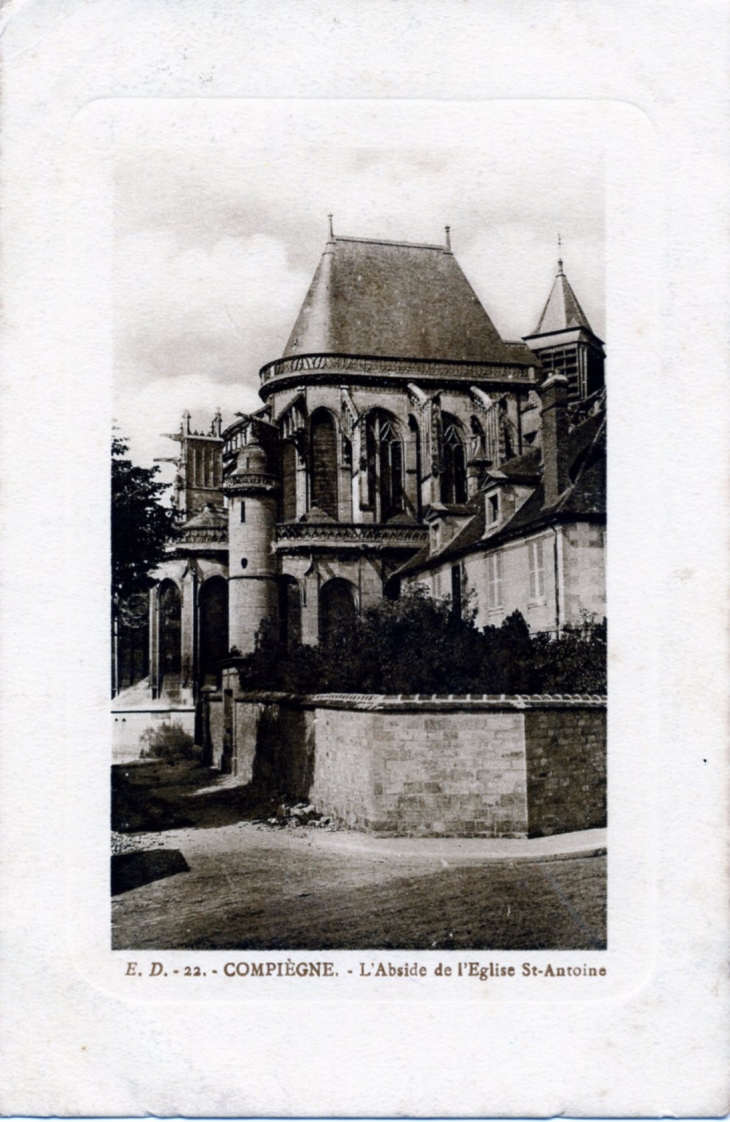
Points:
(253, 880)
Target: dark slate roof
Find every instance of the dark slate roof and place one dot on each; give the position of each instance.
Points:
(586, 498)
(210, 517)
(526, 466)
(396, 300)
(562, 310)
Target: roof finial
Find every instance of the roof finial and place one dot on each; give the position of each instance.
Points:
(332, 233)
(560, 255)
(448, 238)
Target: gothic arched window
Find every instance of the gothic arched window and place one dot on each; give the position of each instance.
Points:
(453, 474)
(415, 467)
(384, 465)
(323, 463)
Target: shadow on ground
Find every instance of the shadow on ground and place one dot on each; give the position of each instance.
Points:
(130, 870)
(154, 796)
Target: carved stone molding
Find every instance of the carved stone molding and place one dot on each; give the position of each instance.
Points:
(395, 367)
(339, 534)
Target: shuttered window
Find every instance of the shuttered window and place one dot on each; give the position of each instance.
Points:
(494, 569)
(537, 570)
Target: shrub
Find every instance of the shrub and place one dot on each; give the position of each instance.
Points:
(169, 742)
(416, 645)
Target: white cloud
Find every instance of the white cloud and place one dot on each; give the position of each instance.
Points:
(216, 247)
(144, 414)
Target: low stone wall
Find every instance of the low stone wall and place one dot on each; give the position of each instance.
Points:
(566, 769)
(465, 767)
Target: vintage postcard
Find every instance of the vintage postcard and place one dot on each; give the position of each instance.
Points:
(338, 755)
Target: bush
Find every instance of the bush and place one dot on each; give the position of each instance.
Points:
(169, 742)
(416, 645)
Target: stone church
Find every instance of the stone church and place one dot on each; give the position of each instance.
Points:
(400, 440)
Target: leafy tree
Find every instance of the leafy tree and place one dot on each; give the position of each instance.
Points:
(416, 645)
(141, 525)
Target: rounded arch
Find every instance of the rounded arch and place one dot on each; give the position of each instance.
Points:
(385, 464)
(213, 614)
(453, 458)
(169, 600)
(337, 607)
(323, 461)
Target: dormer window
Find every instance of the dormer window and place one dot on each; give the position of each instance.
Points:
(492, 510)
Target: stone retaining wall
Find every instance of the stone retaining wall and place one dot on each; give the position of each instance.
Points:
(465, 767)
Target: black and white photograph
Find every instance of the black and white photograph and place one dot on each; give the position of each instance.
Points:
(359, 598)
(349, 767)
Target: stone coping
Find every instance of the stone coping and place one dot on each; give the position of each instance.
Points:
(152, 708)
(440, 702)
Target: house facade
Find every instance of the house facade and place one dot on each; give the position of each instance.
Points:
(400, 440)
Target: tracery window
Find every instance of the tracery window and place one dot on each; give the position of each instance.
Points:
(384, 465)
(453, 472)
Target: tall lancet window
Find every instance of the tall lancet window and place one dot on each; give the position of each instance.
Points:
(453, 473)
(288, 481)
(323, 463)
(385, 465)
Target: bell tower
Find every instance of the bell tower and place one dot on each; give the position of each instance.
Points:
(251, 491)
(566, 343)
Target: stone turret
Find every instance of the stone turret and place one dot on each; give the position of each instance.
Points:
(252, 508)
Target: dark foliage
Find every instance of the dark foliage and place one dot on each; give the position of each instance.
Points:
(169, 742)
(141, 525)
(416, 645)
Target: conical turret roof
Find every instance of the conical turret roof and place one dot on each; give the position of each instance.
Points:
(562, 310)
(394, 300)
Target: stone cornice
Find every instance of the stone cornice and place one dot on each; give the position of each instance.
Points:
(284, 370)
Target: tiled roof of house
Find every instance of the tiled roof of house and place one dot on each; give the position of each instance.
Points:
(396, 300)
(585, 497)
(562, 310)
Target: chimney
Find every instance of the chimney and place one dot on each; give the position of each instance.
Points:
(555, 460)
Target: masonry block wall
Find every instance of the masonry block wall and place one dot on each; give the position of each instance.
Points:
(409, 771)
(566, 769)
(490, 767)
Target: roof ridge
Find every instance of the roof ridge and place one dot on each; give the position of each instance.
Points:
(387, 241)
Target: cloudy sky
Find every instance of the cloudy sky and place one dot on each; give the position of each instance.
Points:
(216, 244)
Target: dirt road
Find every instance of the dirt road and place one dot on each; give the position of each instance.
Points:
(251, 886)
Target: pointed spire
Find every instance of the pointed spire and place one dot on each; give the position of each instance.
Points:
(562, 310)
